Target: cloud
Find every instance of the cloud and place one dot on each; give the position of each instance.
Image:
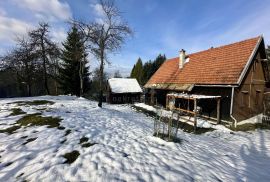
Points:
(252, 25)
(10, 28)
(49, 9)
(98, 13)
(98, 9)
(58, 34)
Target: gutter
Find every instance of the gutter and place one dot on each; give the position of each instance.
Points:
(231, 109)
(229, 86)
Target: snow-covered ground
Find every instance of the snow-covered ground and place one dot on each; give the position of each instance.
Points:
(125, 149)
(201, 123)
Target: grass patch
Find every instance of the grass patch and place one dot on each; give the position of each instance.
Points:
(61, 128)
(24, 137)
(33, 120)
(34, 102)
(38, 120)
(182, 125)
(63, 141)
(17, 111)
(29, 140)
(8, 164)
(67, 132)
(84, 139)
(20, 175)
(71, 157)
(250, 127)
(10, 130)
(88, 144)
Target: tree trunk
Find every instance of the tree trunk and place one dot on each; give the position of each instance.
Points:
(81, 76)
(101, 80)
(29, 90)
(44, 68)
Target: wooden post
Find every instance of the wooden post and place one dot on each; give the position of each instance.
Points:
(218, 110)
(167, 102)
(195, 114)
(152, 97)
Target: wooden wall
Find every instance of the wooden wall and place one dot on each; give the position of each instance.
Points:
(248, 98)
(123, 98)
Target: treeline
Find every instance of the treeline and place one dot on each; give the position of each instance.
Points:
(143, 72)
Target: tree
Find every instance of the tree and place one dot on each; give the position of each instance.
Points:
(137, 71)
(21, 60)
(150, 67)
(45, 49)
(106, 36)
(132, 74)
(117, 74)
(74, 75)
(94, 90)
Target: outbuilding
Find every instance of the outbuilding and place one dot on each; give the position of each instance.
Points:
(123, 90)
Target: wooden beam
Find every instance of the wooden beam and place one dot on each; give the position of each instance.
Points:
(184, 110)
(218, 110)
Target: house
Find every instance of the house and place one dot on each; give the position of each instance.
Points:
(236, 72)
(123, 90)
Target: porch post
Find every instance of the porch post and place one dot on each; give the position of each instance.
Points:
(195, 114)
(218, 110)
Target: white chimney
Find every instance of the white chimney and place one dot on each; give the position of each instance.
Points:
(182, 58)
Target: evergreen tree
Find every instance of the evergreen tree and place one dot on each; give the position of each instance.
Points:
(149, 68)
(132, 72)
(137, 71)
(72, 55)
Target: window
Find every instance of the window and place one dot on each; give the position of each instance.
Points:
(244, 99)
(257, 98)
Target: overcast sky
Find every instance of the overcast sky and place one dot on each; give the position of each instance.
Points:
(160, 26)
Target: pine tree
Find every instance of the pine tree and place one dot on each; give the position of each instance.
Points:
(72, 55)
(149, 68)
(132, 75)
(137, 71)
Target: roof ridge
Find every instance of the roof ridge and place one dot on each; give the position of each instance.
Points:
(221, 46)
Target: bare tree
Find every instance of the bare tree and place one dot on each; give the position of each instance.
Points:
(22, 61)
(106, 36)
(117, 74)
(45, 48)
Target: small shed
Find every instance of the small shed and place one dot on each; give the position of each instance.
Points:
(123, 90)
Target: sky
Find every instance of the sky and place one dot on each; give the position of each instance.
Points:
(160, 27)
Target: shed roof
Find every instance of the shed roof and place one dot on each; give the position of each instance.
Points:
(221, 65)
(124, 85)
(192, 96)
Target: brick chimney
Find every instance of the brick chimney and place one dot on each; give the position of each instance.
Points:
(182, 58)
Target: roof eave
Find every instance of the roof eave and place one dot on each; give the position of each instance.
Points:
(216, 85)
(242, 75)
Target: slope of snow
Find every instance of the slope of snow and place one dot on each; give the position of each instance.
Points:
(124, 85)
(253, 120)
(125, 149)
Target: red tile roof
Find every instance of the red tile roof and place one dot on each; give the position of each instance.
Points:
(221, 65)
